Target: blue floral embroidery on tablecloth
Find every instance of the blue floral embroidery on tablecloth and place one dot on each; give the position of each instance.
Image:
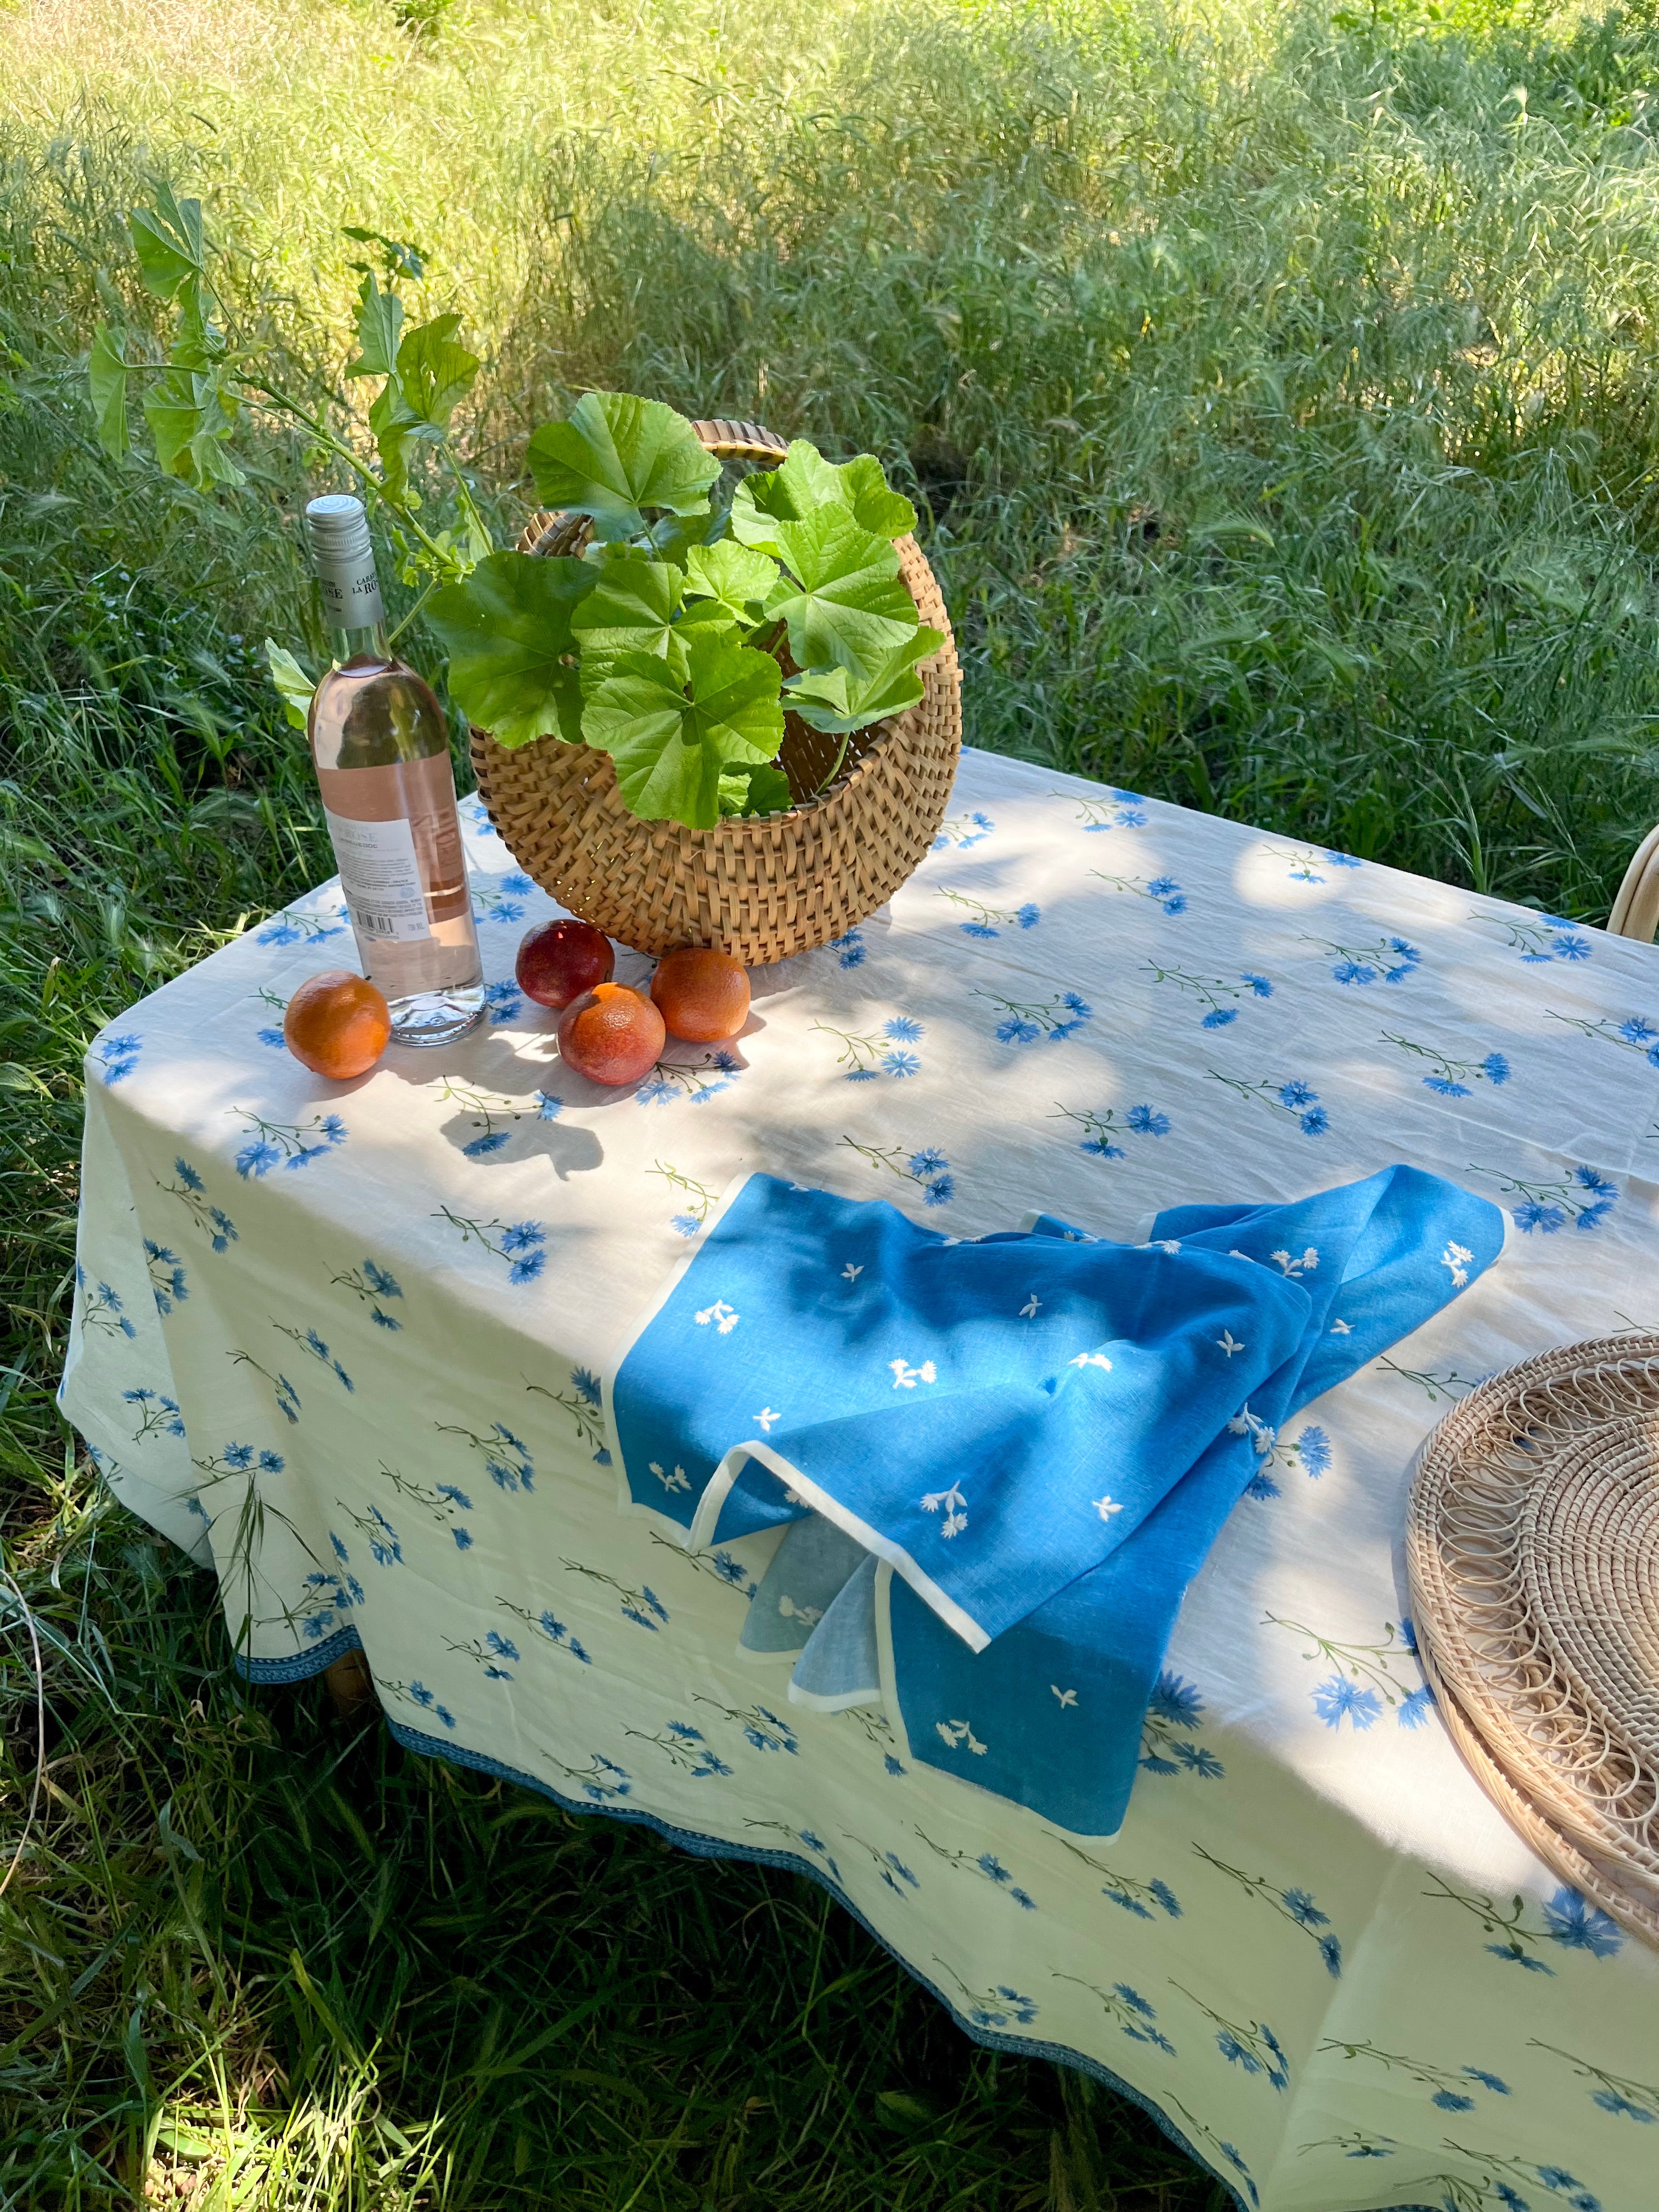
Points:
(1549, 938)
(502, 901)
(1305, 861)
(1293, 1905)
(417, 1693)
(385, 1545)
(670, 1079)
(1635, 1033)
(884, 1051)
(1295, 1097)
(520, 1243)
(1126, 2009)
(1026, 1021)
(1101, 1129)
(961, 831)
(290, 928)
(1570, 1921)
(1619, 2095)
(1364, 1683)
(489, 1652)
(116, 1054)
(989, 921)
(158, 1415)
(582, 1403)
(166, 1276)
(1174, 1711)
(1211, 991)
(286, 1143)
(700, 1199)
(506, 1459)
(1585, 1198)
(191, 1190)
(1163, 890)
(641, 1606)
(376, 1287)
(1452, 1077)
(101, 1307)
(548, 1625)
(1252, 2046)
(686, 1747)
(928, 1168)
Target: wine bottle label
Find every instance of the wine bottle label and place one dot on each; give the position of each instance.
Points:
(351, 590)
(380, 877)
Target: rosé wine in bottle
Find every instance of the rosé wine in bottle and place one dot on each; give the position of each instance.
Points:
(381, 749)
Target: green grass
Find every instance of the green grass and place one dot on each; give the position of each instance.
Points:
(1280, 389)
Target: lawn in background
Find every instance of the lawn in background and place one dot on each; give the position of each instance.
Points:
(1279, 389)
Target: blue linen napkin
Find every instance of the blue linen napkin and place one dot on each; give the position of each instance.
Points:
(1051, 1714)
(991, 1418)
(1039, 1434)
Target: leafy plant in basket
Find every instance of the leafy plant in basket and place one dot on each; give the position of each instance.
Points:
(679, 635)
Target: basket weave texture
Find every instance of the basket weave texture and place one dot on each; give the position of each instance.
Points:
(1532, 1547)
(762, 888)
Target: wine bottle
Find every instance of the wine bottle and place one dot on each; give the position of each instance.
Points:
(381, 746)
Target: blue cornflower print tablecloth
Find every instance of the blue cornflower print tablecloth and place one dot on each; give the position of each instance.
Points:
(386, 1313)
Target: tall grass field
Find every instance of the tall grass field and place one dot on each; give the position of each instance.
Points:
(1279, 387)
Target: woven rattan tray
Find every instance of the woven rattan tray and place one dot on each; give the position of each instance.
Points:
(1532, 1547)
(763, 888)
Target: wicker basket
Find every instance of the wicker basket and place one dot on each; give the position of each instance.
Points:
(759, 888)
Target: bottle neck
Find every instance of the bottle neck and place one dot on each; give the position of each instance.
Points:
(364, 641)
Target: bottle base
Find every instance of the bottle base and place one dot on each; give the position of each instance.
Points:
(429, 1017)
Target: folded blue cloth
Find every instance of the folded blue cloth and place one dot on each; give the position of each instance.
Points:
(991, 1418)
(1039, 1433)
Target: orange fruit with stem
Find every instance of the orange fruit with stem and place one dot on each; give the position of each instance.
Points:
(611, 1034)
(338, 1024)
(702, 993)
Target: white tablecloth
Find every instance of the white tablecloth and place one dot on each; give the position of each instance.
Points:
(344, 1342)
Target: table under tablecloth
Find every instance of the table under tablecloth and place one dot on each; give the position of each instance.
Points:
(346, 1344)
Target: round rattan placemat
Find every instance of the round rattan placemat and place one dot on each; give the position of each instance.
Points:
(1533, 1546)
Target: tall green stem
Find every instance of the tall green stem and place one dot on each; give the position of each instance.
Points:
(273, 397)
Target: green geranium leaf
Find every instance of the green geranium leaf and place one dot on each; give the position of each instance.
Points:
(735, 576)
(190, 414)
(393, 422)
(107, 375)
(432, 375)
(293, 685)
(435, 374)
(804, 484)
(760, 790)
(507, 632)
(672, 536)
(630, 609)
(708, 618)
(379, 320)
(617, 455)
(167, 241)
(672, 742)
(831, 700)
(199, 343)
(865, 488)
(849, 609)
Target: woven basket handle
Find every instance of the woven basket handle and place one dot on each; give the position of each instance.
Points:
(547, 532)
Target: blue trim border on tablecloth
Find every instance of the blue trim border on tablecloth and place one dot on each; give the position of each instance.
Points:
(305, 1664)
